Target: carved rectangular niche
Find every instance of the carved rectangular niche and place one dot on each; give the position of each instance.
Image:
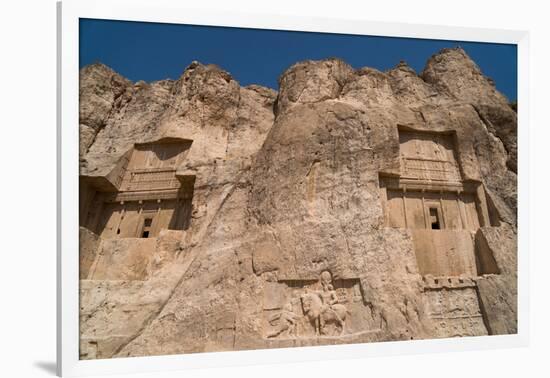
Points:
(430, 198)
(290, 312)
(442, 225)
(133, 219)
(146, 195)
(428, 156)
(152, 166)
(431, 210)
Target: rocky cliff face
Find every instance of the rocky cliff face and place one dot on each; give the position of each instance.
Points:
(290, 186)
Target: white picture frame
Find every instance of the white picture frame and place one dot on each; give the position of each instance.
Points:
(69, 13)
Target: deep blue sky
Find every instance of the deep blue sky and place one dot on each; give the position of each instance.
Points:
(155, 51)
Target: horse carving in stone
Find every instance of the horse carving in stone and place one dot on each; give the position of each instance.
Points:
(320, 314)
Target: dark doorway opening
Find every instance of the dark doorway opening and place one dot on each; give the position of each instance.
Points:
(434, 219)
(147, 222)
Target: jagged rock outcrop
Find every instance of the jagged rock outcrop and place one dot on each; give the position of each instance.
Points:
(452, 71)
(290, 185)
(101, 91)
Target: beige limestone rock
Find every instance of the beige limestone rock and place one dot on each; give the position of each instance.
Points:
(289, 186)
(101, 91)
(453, 72)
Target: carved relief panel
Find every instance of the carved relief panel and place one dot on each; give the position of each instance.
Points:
(428, 156)
(298, 309)
(152, 166)
(453, 306)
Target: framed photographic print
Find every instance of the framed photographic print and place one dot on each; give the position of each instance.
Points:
(240, 189)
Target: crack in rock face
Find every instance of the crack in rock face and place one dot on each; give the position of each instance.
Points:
(351, 206)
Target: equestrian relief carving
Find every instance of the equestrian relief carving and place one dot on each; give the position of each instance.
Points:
(314, 308)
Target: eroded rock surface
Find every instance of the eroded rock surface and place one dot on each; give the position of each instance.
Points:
(351, 206)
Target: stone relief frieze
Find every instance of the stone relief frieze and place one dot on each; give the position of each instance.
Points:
(455, 311)
(325, 307)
